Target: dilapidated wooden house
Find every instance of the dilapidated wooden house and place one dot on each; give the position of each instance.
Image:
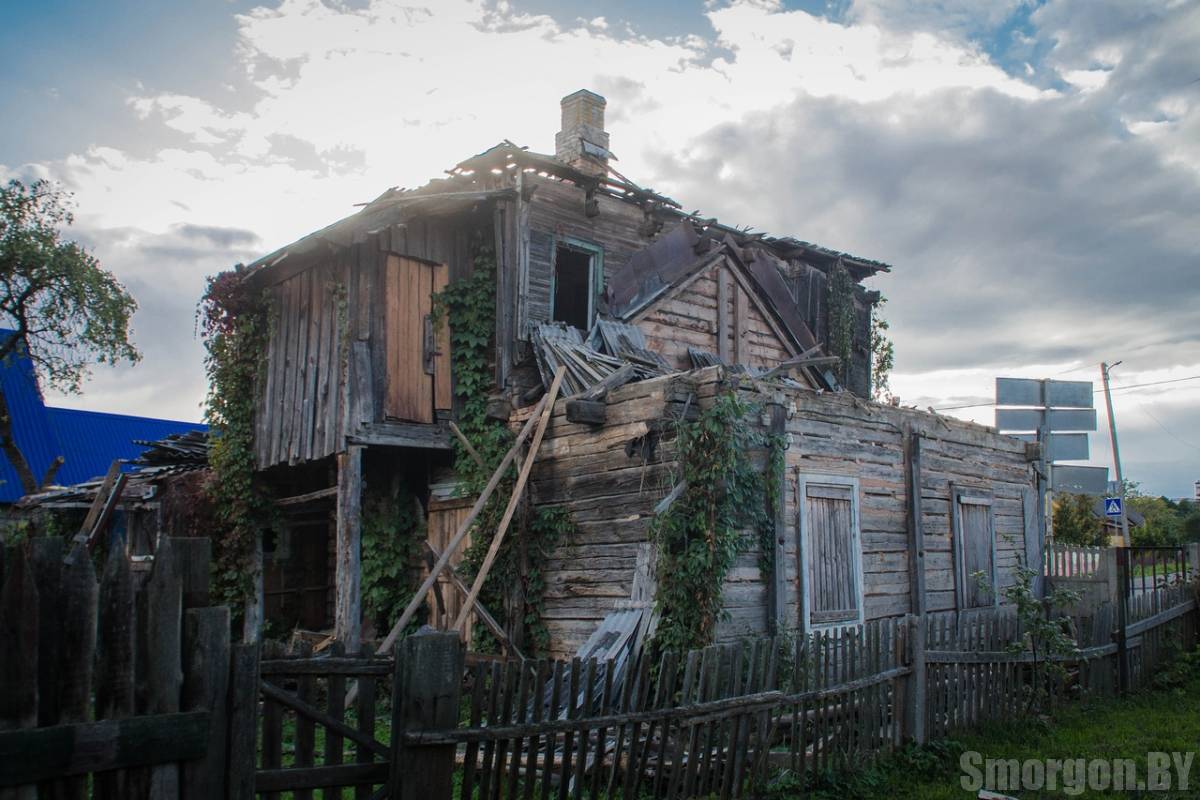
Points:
(593, 272)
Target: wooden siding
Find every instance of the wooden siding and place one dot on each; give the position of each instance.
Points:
(300, 399)
(445, 517)
(556, 211)
(327, 361)
(713, 312)
(611, 496)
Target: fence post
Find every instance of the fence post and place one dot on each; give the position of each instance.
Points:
(425, 694)
(205, 687)
(914, 710)
(1122, 557)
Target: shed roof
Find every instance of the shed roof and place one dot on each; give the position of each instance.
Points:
(92, 440)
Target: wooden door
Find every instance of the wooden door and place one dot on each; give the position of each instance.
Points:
(418, 357)
(445, 517)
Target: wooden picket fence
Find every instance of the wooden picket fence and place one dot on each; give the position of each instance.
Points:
(173, 709)
(126, 678)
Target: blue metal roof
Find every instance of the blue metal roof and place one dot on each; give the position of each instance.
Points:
(88, 441)
(91, 440)
(30, 423)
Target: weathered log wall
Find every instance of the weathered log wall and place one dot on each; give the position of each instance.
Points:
(610, 482)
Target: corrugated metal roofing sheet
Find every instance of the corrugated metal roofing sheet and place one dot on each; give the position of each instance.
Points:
(30, 423)
(91, 440)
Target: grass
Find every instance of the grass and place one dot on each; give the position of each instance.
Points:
(1164, 719)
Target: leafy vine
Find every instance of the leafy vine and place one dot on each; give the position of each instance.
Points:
(470, 307)
(841, 319)
(700, 536)
(234, 323)
(392, 529)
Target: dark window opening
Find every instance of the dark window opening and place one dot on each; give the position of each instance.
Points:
(572, 287)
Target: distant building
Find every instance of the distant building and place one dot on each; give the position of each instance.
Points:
(87, 441)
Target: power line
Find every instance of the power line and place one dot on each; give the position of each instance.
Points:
(1097, 391)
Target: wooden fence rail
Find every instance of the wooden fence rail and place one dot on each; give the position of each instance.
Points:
(124, 677)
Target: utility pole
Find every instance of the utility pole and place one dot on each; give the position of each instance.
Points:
(1112, 432)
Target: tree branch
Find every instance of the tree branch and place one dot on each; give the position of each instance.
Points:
(9, 445)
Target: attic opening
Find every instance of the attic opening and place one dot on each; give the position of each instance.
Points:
(576, 273)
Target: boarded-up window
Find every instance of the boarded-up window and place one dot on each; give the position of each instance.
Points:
(975, 548)
(830, 550)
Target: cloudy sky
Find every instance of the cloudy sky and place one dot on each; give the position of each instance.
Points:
(1032, 170)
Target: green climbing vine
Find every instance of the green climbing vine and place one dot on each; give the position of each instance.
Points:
(883, 355)
(699, 537)
(392, 530)
(470, 307)
(841, 319)
(234, 322)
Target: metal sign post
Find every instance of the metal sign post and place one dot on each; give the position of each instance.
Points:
(1057, 415)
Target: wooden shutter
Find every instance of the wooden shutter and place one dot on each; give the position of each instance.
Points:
(833, 558)
(975, 542)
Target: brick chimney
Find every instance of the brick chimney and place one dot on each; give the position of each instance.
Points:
(583, 142)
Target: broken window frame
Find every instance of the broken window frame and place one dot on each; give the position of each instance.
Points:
(595, 281)
(971, 496)
(805, 548)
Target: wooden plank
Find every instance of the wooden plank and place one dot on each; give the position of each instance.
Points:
(205, 687)
(429, 669)
(242, 713)
(443, 398)
(78, 598)
(724, 327)
(161, 637)
(115, 658)
(518, 489)
(362, 776)
(305, 729)
(46, 556)
(348, 605)
(192, 555)
(19, 639)
(307, 497)
(309, 711)
(365, 691)
(464, 529)
(77, 749)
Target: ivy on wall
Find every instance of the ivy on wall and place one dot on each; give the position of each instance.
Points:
(883, 356)
(234, 322)
(470, 307)
(393, 528)
(700, 536)
(841, 320)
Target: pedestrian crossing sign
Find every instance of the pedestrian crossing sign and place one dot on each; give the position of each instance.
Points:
(1112, 506)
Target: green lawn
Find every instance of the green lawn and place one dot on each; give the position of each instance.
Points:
(1166, 719)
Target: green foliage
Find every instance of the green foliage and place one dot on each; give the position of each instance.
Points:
(234, 324)
(841, 319)
(1046, 637)
(67, 312)
(1075, 520)
(470, 307)
(392, 530)
(883, 356)
(700, 535)
(550, 525)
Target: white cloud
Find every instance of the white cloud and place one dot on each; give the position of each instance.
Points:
(892, 133)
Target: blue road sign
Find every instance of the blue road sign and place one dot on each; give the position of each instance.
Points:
(1112, 506)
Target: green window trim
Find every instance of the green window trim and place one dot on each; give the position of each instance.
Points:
(595, 271)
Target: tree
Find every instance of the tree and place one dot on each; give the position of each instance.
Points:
(883, 356)
(1075, 522)
(66, 312)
